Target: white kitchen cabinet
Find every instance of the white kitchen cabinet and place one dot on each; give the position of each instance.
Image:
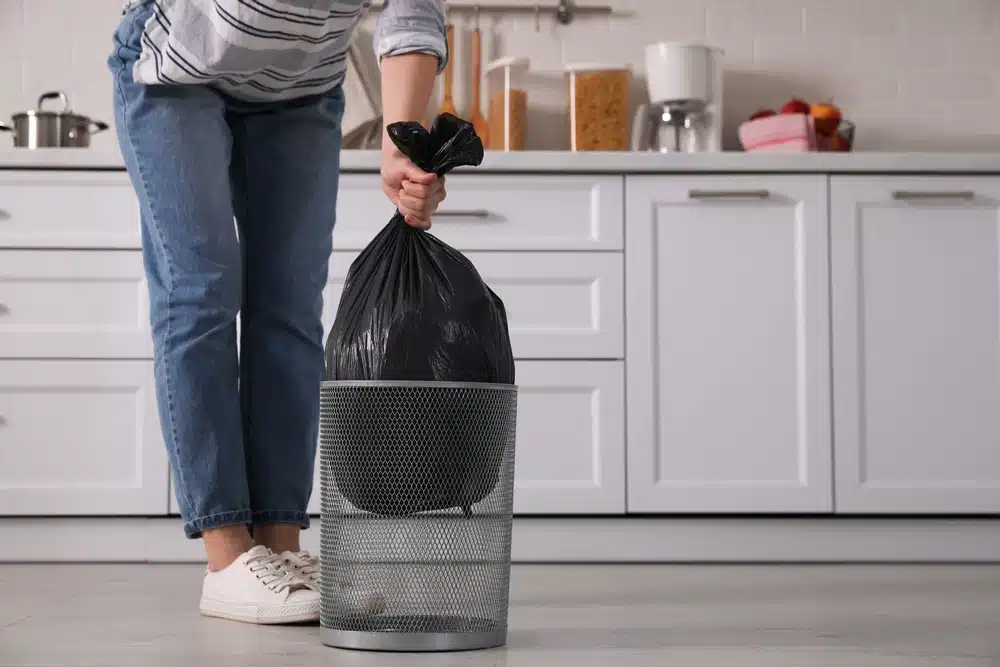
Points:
(570, 456)
(559, 305)
(80, 437)
(916, 344)
(66, 209)
(497, 212)
(570, 438)
(728, 345)
(73, 304)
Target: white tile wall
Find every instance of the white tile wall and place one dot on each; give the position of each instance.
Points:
(914, 74)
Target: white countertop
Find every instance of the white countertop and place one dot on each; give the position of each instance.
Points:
(632, 163)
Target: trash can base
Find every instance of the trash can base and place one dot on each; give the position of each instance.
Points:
(413, 642)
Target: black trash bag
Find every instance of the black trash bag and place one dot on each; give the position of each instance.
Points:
(415, 309)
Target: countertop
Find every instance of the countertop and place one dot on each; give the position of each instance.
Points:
(594, 162)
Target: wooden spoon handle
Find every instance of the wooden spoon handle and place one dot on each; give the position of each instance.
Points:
(448, 70)
(477, 75)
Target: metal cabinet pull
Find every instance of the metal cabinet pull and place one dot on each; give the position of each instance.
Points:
(5, 215)
(3, 420)
(729, 194)
(456, 213)
(929, 195)
(4, 310)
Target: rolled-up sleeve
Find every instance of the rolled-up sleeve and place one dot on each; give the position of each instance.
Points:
(411, 26)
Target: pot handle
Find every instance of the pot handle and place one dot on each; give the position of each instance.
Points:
(97, 126)
(54, 95)
(6, 128)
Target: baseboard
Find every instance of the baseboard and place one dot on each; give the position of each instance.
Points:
(585, 540)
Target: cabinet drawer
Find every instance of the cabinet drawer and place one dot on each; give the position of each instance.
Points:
(559, 305)
(80, 437)
(68, 210)
(73, 304)
(570, 439)
(498, 212)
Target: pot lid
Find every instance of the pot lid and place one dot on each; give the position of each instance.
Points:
(40, 109)
(581, 67)
(42, 112)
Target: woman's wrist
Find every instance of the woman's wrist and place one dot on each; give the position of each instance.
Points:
(389, 149)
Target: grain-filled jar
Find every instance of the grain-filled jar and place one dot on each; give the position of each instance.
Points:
(508, 107)
(598, 107)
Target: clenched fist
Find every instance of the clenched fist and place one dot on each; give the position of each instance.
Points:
(415, 192)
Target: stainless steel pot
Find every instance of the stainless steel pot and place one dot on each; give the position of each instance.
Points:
(43, 128)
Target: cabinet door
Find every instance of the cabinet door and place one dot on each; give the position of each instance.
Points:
(73, 304)
(570, 438)
(916, 335)
(728, 344)
(80, 437)
(559, 305)
(570, 456)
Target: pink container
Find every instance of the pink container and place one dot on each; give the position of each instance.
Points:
(783, 133)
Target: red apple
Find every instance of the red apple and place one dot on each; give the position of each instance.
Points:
(838, 143)
(763, 113)
(795, 106)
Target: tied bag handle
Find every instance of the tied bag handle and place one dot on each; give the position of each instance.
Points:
(450, 143)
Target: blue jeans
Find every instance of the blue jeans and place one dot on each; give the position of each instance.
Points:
(241, 423)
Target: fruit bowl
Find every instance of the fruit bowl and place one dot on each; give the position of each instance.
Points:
(841, 141)
(793, 133)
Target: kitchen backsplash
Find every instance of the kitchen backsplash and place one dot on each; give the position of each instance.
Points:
(913, 74)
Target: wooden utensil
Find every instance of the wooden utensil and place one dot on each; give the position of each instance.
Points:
(476, 116)
(448, 103)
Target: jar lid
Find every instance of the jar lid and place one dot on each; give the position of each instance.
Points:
(595, 67)
(509, 62)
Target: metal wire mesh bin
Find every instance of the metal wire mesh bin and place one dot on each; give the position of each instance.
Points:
(418, 487)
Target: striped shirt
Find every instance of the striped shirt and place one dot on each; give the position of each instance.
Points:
(270, 50)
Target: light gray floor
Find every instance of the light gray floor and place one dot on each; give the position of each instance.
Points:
(145, 616)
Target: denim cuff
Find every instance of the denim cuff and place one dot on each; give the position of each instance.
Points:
(194, 527)
(301, 519)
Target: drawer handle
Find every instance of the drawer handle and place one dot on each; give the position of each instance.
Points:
(4, 215)
(3, 420)
(4, 310)
(456, 213)
(912, 195)
(729, 194)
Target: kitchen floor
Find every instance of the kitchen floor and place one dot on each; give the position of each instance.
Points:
(572, 616)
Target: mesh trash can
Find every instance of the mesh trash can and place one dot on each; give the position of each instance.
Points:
(417, 488)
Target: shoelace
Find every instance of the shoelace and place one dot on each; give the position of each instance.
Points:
(271, 572)
(308, 566)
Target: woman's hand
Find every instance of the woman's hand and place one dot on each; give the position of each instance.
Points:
(415, 193)
(407, 82)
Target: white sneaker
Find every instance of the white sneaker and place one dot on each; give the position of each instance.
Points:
(259, 588)
(307, 566)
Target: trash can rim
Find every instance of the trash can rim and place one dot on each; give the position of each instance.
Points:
(413, 384)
